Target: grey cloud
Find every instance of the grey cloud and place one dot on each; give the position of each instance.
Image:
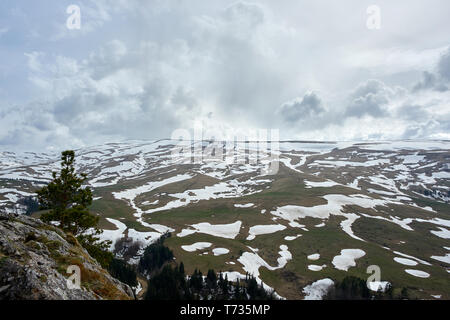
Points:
(438, 81)
(107, 59)
(370, 98)
(422, 123)
(422, 130)
(430, 82)
(371, 86)
(243, 71)
(108, 98)
(184, 98)
(302, 109)
(370, 104)
(412, 112)
(245, 12)
(238, 65)
(444, 65)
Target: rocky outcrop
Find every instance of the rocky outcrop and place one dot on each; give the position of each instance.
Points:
(34, 258)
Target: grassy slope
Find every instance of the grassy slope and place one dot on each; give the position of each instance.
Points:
(288, 188)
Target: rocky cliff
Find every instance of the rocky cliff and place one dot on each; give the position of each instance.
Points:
(34, 257)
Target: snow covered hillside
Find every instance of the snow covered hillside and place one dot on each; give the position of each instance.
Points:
(328, 210)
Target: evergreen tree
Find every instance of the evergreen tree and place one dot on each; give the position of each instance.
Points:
(390, 291)
(181, 268)
(155, 255)
(237, 291)
(121, 270)
(31, 204)
(352, 288)
(252, 288)
(165, 285)
(211, 279)
(224, 285)
(404, 294)
(66, 199)
(196, 281)
(68, 202)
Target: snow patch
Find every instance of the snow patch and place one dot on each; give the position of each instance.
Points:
(347, 258)
(196, 246)
(405, 261)
(322, 184)
(314, 256)
(317, 290)
(220, 251)
(314, 267)
(417, 273)
(113, 235)
(264, 229)
(228, 231)
(378, 285)
(445, 258)
(246, 205)
(290, 238)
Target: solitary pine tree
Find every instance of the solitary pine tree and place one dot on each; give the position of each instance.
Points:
(68, 201)
(181, 268)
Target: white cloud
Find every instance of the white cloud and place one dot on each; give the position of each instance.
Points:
(140, 69)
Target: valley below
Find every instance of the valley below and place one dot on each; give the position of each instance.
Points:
(328, 211)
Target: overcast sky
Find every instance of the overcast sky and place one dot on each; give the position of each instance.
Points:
(139, 69)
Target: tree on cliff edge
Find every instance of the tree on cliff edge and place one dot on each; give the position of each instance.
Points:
(68, 201)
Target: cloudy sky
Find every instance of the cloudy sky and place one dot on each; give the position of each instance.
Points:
(139, 69)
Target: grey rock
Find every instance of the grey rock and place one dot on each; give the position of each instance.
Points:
(33, 260)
